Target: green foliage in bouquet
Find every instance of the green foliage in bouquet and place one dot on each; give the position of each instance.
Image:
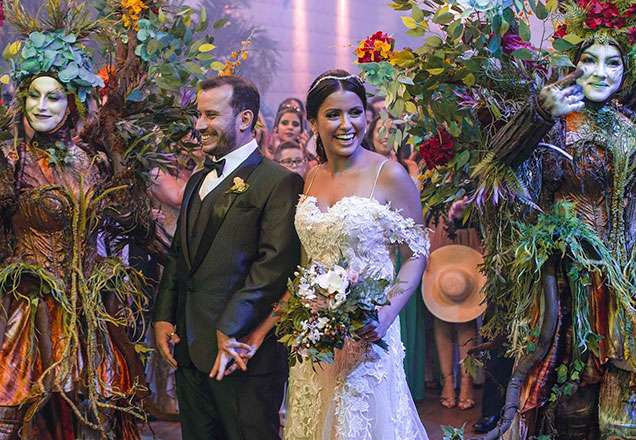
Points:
(328, 305)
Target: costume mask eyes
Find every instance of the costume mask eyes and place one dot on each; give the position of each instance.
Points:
(603, 71)
(46, 104)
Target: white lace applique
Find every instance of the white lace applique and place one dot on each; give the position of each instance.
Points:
(363, 395)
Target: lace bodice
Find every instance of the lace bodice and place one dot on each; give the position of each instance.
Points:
(361, 231)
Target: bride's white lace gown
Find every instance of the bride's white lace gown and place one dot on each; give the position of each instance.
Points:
(363, 395)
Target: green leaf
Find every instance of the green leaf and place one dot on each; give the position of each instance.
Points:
(562, 373)
(462, 158)
(561, 45)
(560, 60)
(406, 80)
(409, 22)
(434, 41)
(552, 5)
(193, 68)
(435, 71)
(524, 31)
(469, 80)
(523, 54)
(443, 17)
(217, 65)
(71, 72)
(207, 47)
(153, 46)
(37, 39)
(220, 23)
(417, 14)
(541, 11)
(573, 39)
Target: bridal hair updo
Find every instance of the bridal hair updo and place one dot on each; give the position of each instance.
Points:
(324, 85)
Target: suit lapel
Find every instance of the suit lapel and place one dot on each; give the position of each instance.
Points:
(222, 205)
(193, 184)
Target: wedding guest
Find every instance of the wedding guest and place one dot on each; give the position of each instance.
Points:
(293, 157)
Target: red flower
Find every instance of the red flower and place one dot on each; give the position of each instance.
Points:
(561, 31)
(1, 12)
(631, 11)
(377, 47)
(631, 35)
(604, 14)
(438, 149)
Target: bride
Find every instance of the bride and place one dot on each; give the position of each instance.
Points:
(365, 208)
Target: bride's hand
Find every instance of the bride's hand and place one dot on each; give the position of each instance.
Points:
(375, 330)
(254, 340)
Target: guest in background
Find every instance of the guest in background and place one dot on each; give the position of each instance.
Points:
(292, 103)
(263, 136)
(292, 156)
(378, 104)
(377, 137)
(289, 125)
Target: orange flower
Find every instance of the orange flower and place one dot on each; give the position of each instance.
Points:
(378, 47)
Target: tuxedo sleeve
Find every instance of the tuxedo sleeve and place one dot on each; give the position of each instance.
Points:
(278, 255)
(165, 307)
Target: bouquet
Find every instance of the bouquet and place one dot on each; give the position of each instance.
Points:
(328, 304)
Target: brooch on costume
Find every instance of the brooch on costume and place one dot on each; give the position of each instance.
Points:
(239, 186)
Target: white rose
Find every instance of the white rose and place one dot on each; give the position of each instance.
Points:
(334, 281)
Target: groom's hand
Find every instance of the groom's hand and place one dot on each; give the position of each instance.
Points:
(228, 350)
(165, 337)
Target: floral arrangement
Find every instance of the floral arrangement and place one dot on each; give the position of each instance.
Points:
(601, 21)
(378, 47)
(328, 305)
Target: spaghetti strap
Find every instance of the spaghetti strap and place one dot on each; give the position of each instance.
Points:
(313, 177)
(377, 176)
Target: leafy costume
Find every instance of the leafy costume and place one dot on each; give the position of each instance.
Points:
(554, 198)
(68, 368)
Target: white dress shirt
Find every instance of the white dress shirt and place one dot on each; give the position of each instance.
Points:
(232, 161)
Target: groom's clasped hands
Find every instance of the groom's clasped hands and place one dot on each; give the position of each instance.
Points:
(233, 354)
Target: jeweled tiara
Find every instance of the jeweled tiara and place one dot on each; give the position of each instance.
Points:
(336, 78)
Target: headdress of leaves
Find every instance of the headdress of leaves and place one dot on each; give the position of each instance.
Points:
(52, 46)
(615, 24)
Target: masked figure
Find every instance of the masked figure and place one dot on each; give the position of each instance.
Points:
(67, 367)
(572, 150)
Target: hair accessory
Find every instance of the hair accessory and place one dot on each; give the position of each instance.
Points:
(334, 77)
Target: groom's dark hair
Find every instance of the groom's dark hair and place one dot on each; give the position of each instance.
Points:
(245, 95)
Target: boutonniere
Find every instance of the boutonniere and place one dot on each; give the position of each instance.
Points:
(239, 186)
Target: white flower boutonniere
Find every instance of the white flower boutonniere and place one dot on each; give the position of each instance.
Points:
(239, 186)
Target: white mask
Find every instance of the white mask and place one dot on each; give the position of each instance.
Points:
(46, 104)
(603, 70)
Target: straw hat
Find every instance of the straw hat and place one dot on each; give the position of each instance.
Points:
(452, 284)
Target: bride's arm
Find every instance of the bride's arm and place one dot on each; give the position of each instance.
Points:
(258, 335)
(396, 187)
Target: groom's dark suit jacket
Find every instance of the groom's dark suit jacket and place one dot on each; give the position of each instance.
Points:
(229, 262)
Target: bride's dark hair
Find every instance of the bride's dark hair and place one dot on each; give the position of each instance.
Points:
(324, 85)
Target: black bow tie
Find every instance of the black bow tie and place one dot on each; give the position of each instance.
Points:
(210, 164)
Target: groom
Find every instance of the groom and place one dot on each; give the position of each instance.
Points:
(234, 248)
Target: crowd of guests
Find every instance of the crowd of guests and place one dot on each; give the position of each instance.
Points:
(288, 140)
